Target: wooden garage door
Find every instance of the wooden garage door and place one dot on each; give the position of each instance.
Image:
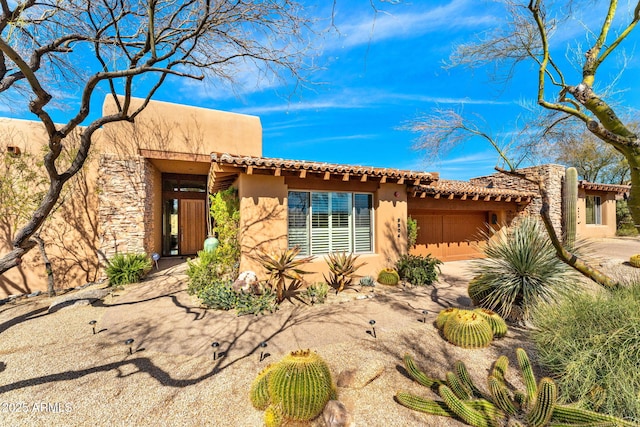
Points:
(449, 236)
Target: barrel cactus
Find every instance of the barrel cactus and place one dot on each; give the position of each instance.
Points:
(635, 260)
(537, 406)
(444, 315)
(388, 276)
(296, 388)
(497, 323)
(467, 329)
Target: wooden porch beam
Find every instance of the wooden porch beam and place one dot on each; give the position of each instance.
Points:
(303, 173)
(327, 176)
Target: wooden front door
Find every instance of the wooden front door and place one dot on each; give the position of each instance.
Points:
(192, 225)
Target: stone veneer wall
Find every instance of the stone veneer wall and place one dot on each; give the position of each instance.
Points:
(553, 177)
(125, 215)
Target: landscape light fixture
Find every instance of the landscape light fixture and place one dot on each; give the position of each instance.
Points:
(129, 342)
(373, 329)
(215, 346)
(93, 325)
(263, 355)
(424, 318)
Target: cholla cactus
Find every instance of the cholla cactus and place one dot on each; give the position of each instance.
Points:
(537, 406)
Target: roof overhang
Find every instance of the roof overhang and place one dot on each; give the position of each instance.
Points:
(225, 168)
(461, 190)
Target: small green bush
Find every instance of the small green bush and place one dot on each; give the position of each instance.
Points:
(202, 271)
(219, 295)
(635, 260)
(367, 281)
(317, 292)
(418, 270)
(591, 344)
(127, 268)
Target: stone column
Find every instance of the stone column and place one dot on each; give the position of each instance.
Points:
(125, 198)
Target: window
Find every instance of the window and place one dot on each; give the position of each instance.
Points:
(324, 222)
(594, 211)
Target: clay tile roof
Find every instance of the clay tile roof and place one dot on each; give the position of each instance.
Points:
(297, 165)
(445, 187)
(617, 188)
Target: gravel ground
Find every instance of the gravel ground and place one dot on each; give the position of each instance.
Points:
(55, 371)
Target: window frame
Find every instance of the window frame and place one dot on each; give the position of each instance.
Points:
(308, 248)
(596, 207)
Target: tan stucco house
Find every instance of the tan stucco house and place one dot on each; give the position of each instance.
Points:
(146, 183)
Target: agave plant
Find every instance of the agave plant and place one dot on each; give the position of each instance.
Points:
(342, 268)
(282, 267)
(520, 270)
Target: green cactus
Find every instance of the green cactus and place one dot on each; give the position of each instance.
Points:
(635, 260)
(273, 416)
(497, 323)
(462, 400)
(296, 388)
(467, 329)
(444, 315)
(388, 276)
(569, 206)
(259, 393)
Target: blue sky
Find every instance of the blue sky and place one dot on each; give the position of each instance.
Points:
(379, 71)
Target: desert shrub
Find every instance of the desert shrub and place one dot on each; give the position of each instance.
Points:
(412, 232)
(368, 281)
(520, 270)
(591, 344)
(127, 268)
(225, 209)
(202, 271)
(219, 295)
(222, 263)
(317, 292)
(256, 304)
(418, 270)
(624, 220)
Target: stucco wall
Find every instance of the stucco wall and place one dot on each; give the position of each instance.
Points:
(179, 128)
(608, 212)
(68, 232)
(263, 220)
(263, 217)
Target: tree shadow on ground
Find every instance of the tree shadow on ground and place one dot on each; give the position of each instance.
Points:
(33, 314)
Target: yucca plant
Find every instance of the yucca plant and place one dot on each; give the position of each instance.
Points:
(342, 268)
(127, 268)
(282, 267)
(520, 270)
